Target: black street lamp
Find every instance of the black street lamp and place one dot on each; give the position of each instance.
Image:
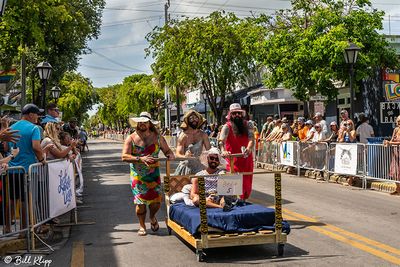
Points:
(350, 55)
(44, 69)
(2, 6)
(205, 102)
(55, 93)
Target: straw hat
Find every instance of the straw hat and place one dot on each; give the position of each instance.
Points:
(185, 122)
(143, 117)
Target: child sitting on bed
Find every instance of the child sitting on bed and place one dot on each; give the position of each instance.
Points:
(212, 199)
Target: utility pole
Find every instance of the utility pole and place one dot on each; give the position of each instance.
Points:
(166, 93)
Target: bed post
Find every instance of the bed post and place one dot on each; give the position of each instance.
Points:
(203, 212)
(278, 206)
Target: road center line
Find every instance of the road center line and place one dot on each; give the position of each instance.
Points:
(78, 254)
(323, 229)
(347, 233)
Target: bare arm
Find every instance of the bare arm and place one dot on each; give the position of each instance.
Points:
(222, 139)
(127, 151)
(352, 135)
(195, 188)
(180, 148)
(38, 150)
(60, 153)
(206, 141)
(166, 149)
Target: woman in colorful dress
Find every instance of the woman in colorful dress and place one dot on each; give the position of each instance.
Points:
(395, 163)
(141, 150)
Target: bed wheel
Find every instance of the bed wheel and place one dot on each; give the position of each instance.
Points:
(200, 256)
(281, 249)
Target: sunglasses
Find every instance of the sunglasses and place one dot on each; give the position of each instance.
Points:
(193, 118)
(213, 158)
(55, 109)
(235, 113)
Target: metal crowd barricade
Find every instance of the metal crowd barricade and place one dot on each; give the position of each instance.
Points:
(312, 156)
(383, 162)
(267, 153)
(288, 154)
(14, 208)
(361, 160)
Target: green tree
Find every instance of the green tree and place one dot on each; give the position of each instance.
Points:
(56, 31)
(304, 51)
(137, 93)
(77, 96)
(214, 52)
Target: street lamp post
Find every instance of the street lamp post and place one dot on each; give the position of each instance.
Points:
(44, 69)
(55, 93)
(205, 103)
(350, 55)
(2, 6)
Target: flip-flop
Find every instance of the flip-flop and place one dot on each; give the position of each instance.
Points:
(155, 226)
(142, 232)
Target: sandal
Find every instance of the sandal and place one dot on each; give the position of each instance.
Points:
(154, 226)
(395, 193)
(142, 232)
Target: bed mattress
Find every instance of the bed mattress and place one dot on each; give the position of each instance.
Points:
(250, 217)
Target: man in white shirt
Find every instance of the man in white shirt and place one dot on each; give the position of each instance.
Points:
(365, 130)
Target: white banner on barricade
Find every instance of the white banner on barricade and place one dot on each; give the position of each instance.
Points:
(287, 153)
(230, 184)
(61, 187)
(346, 159)
(78, 165)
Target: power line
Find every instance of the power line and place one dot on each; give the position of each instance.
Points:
(116, 62)
(117, 46)
(132, 21)
(101, 68)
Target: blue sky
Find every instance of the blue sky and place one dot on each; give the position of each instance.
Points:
(119, 50)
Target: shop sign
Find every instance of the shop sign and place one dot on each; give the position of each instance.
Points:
(392, 91)
(389, 111)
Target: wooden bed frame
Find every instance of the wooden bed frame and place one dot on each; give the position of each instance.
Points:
(209, 238)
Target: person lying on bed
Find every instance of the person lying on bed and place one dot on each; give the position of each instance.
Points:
(213, 157)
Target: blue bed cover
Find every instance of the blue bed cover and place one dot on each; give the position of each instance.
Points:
(250, 217)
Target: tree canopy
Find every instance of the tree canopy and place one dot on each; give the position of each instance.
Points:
(137, 93)
(56, 31)
(77, 96)
(214, 52)
(304, 51)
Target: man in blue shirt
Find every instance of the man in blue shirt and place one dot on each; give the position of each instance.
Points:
(30, 150)
(52, 114)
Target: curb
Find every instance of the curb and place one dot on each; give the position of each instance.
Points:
(12, 245)
(387, 187)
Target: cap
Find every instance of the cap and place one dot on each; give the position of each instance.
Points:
(301, 119)
(31, 108)
(333, 123)
(343, 111)
(310, 122)
(73, 119)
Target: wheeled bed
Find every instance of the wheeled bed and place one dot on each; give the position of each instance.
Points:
(203, 228)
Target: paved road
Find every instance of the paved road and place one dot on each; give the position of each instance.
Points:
(332, 225)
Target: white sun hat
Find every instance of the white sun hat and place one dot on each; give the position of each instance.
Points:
(143, 117)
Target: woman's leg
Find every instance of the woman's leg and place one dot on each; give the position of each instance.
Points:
(141, 213)
(154, 207)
